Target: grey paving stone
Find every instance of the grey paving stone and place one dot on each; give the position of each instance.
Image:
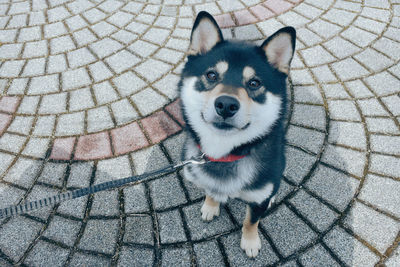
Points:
(103, 29)
(128, 83)
(104, 92)
(323, 74)
(388, 47)
(112, 169)
(99, 71)
(148, 159)
(75, 78)
(345, 159)
(309, 115)
(169, 55)
(17, 86)
(75, 207)
(121, 61)
(5, 263)
(39, 192)
(174, 146)
(100, 235)
(11, 68)
(152, 69)
(62, 230)
(381, 125)
(305, 138)
(193, 191)
(386, 165)
(349, 69)
(171, 227)
(371, 107)
(291, 263)
(324, 28)
(23, 172)
(166, 192)
(123, 111)
(367, 223)
(237, 257)
(200, 229)
(81, 259)
(287, 231)
(56, 63)
(5, 162)
(373, 60)
(358, 89)
(372, 193)
(105, 204)
(139, 230)
(349, 249)
(80, 174)
(53, 173)
(12, 142)
(105, 47)
(36, 147)
(298, 164)
(343, 110)
(347, 133)
(22, 231)
(336, 188)
(148, 101)
(335, 91)
(80, 99)
(21, 125)
(394, 259)
(45, 253)
(248, 32)
(135, 199)
(301, 77)
(138, 257)
(125, 36)
(61, 44)
(208, 253)
(316, 212)
(316, 55)
(70, 124)
(9, 195)
(99, 119)
(392, 103)
(80, 57)
(53, 104)
(44, 84)
(307, 94)
(176, 257)
(317, 256)
(383, 83)
(283, 191)
(385, 144)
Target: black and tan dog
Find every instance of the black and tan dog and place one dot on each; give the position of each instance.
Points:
(233, 102)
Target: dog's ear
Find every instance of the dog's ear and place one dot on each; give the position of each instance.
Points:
(205, 34)
(279, 48)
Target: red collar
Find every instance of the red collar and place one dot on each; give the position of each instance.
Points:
(228, 158)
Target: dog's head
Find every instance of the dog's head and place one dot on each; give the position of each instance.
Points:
(233, 92)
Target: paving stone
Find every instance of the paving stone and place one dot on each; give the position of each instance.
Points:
(22, 231)
(200, 229)
(166, 192)
(335, 91)
(208, 253)
(124, 36)
(94, 15)
(367, 57)
(305, 138)
(348, 69)
(104, 93)
(381, 125)
(105, 47)
(388, 47)
(70, 124)
(392, 103)
(10, 195)
(62, 230)
(11, 68)
(21, 125)
(335, 187)
(23, 172)
(148, 159)
(80, 174)
(307, 115)
(10, 51)
(93, 146)
(237, 257)
(349, 249)
(135, 199)
(89, 260)
(159, 126)
(128, 83)
(49, 253)
(96, 239)
(316, 212)
(53, 173)
(385, 144)
(171, 227)
(80, 57)
(367, 223)
(56, 64)
(99, 119)
(324, 28)
(340, 47)
(139, 230)
(54, 29)
(61, 44)
(343, 110)
(324, 74)
(317, 256)
(44, 84)
(80, 99)
(62, 148)
(248, 32)
(152, 69)
(123, 111)
(28, 105)
(301, 77)
(394, 259)
(105, 204)
(112, 169)
(316, 55)
(176, 257)
(384, 78)
(141, 257)
(12, 142)
(17, 86)
(347, 133)
(148, 101)
(75, 78)
(298, 164)
(386, 165)
(99, 71)
(287, 231)
(75, 207)
(358, 89)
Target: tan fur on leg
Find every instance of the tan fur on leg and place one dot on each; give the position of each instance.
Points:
(250, 241)
(209, 209)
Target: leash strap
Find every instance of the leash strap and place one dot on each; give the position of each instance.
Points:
(50, 201)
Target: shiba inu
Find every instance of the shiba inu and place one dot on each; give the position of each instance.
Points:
(233, 97)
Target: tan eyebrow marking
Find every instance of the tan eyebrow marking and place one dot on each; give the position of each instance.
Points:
(221, 67)
(248, 73)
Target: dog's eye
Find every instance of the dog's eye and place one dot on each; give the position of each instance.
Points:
(254, 84)
(211, 76)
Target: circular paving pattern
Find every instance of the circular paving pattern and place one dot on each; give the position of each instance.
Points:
(88, 94)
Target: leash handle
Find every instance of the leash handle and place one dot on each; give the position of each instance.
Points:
(52, 200)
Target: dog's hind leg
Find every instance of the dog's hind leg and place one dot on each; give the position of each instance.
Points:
(209, 209)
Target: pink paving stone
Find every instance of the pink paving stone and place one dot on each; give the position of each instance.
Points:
(175, 110)
(5, 120)
(278, 6)
(128, 138)
(62, 148)
(93, 146)
(159, 126)
(244, 17)
(225, 21)
(9, 103)
(261, 12)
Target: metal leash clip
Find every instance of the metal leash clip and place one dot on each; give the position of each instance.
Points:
(199, 160)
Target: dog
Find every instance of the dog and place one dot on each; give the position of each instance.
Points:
(233, 99)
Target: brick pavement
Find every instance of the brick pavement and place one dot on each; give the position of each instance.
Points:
(88, 94)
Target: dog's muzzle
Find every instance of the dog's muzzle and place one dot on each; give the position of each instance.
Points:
(226, 106)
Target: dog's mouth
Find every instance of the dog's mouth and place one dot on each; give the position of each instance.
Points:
(223, 125)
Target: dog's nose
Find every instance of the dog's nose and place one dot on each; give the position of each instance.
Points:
(226, 106)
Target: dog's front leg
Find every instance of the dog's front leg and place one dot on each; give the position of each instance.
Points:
(250, 241)
(209, 209)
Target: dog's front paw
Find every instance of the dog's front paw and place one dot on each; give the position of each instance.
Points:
(251, 246)
(208, 212)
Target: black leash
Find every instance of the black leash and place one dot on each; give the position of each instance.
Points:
(49, 201)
